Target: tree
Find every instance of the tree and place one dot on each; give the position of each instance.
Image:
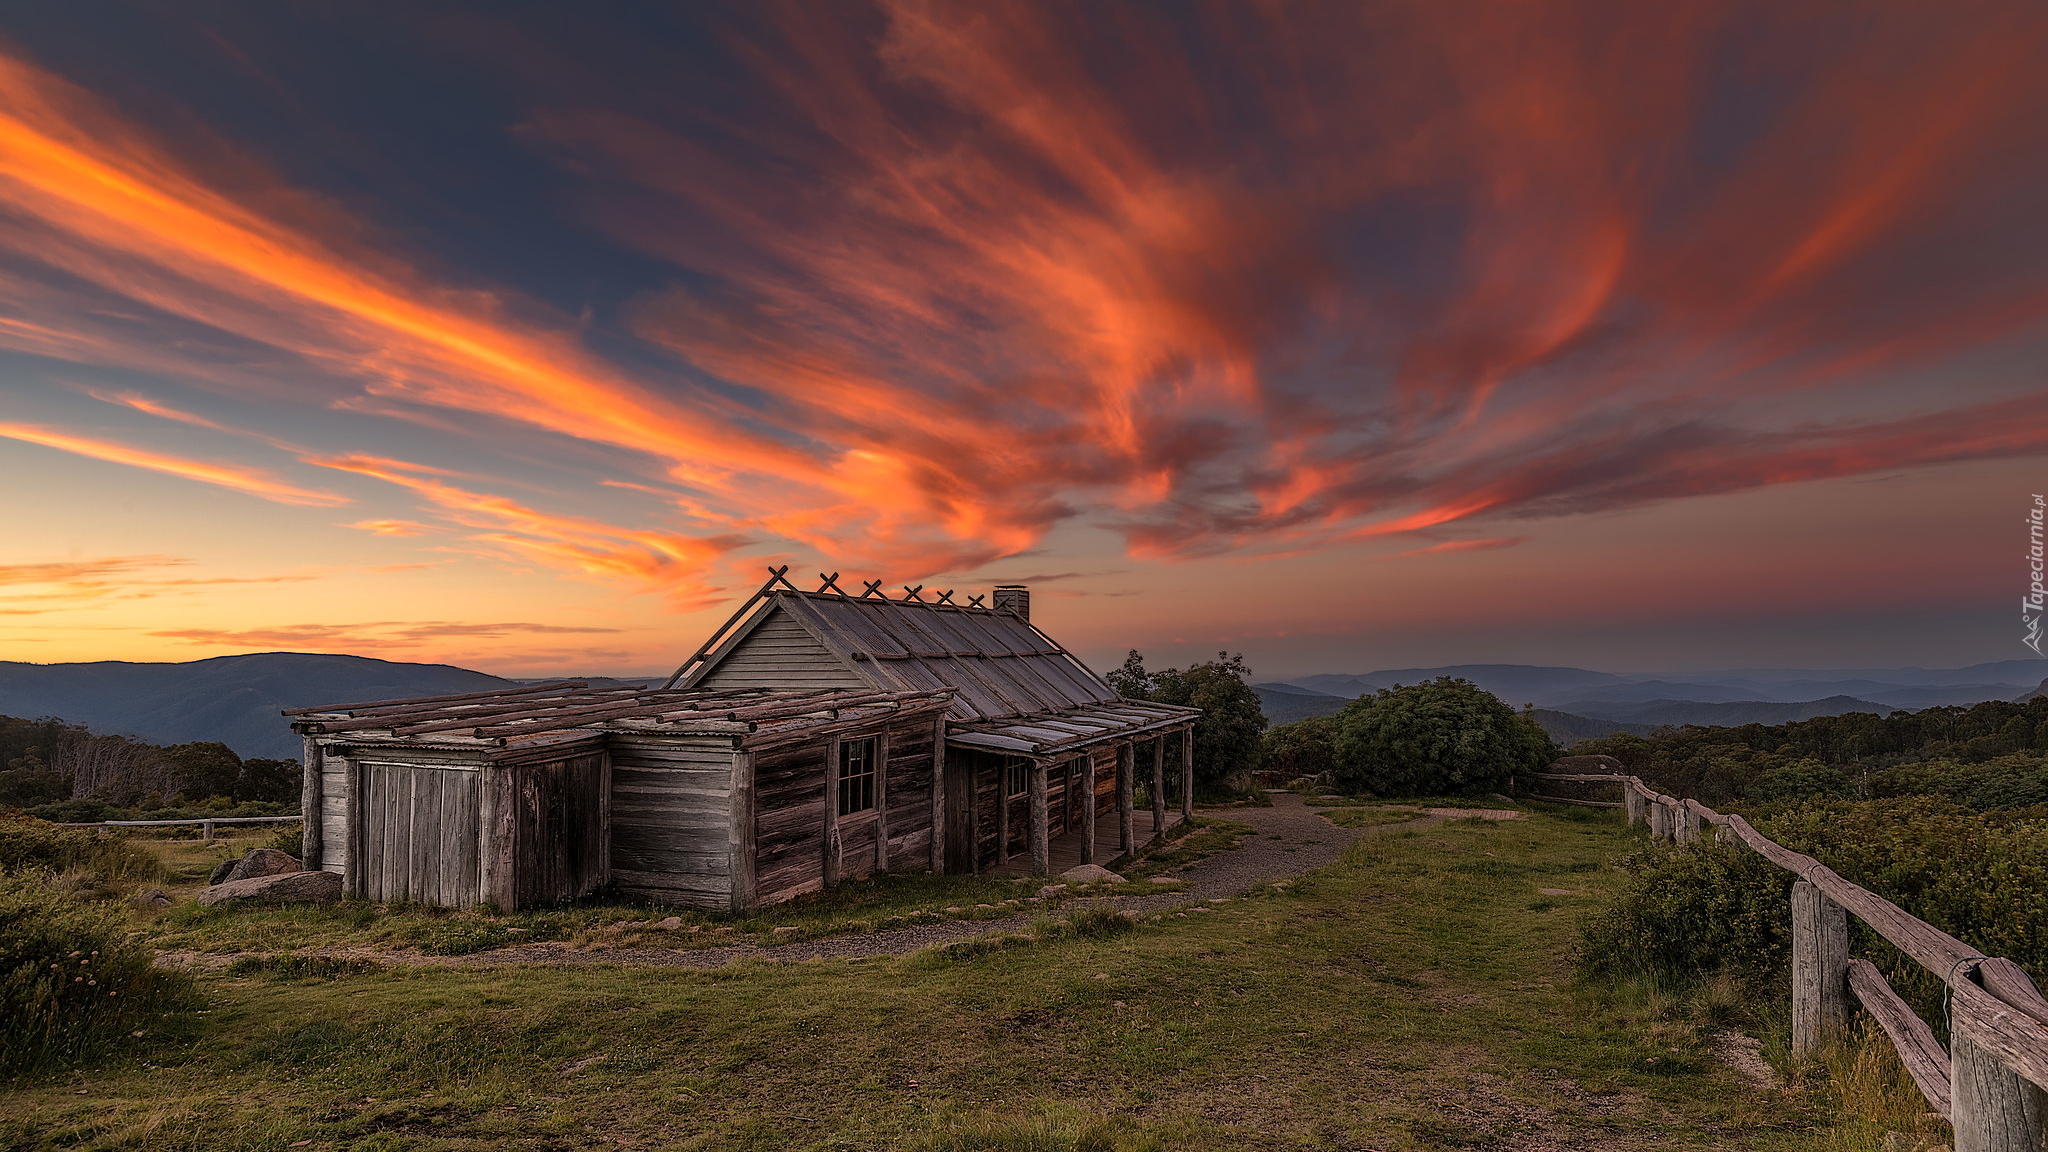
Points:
(1443, 737)
(1131, 681)
(204, 769)
(1303, 748)
(1227, 737)
(264, 779)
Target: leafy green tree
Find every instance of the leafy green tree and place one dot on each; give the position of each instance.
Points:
(1445, 736)
(1302, 748)
(264, 779)
(204, 769)
(1131, 680)
(1227, 737)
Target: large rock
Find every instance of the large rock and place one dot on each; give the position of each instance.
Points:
(262, 862)
(280, 888)
(1089, 874)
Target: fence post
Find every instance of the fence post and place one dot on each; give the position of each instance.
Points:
(1632, 802)
(206, 831)
(1992, 1108)
(1688, 824)
(1820, 971)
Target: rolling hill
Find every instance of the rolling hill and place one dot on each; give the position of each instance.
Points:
(232, 699)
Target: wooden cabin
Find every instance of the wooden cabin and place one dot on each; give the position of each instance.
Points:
(816, 737)
(1041, 756)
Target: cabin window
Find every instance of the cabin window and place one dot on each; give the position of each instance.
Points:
(856, 776)
(1016, 777)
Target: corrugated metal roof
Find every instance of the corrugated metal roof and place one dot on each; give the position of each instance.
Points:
(1070, 731)
(1000, 665)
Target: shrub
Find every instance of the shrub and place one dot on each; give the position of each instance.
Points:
(28, 844)
(1445, 737)
(72, 986)
(1227, 737)
(1302, 748)
(1689, 912)
(289, 839)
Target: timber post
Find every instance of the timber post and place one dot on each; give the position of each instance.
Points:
(1041, 841)
(1820, 971)
(938, 843)
(740, 836)
(1003, 799)
(830, 862)
(1187, 775)
(1126, 788)
(1993, 1108)
(1159, 787)
(1088, 807)
(1632, 802)
(1688, 825)
(309, 806)
(882, 801)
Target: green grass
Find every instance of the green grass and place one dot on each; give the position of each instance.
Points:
(1370, 817)
(1407, 998)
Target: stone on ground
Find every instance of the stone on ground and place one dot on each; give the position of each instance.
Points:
(261, 862)
(1090, 874)
(672, 924)
(280, 888)
(1051, 890)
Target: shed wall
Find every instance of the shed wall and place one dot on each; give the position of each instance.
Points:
(671, 812)
(418, 833)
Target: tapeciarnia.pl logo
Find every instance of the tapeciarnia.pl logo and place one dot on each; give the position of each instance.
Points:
(2031, 604)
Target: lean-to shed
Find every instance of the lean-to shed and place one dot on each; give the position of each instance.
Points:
(702, 798)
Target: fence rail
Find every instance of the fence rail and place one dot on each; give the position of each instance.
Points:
(206, 823)
(1992, 1085)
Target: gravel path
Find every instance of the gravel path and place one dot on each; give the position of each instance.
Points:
(1288, 839)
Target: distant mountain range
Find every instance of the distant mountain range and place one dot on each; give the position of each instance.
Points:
(236, 699)
(1577, 703)
(232, 699)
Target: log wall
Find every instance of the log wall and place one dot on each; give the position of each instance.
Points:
(558, 829)
(671, 819)
(418, 835)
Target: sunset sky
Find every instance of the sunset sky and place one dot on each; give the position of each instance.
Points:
(1645, 337)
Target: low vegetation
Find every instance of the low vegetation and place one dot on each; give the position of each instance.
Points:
(1989, 755)
(66, 773)
(1417, 995)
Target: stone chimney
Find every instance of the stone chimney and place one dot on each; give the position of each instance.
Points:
(1013, 598)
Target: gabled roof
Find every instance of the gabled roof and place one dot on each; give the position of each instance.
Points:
(997, 663)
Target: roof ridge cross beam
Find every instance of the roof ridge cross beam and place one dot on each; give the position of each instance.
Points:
(910, 593)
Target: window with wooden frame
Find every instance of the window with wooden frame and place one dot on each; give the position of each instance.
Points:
(1016, 777)
(856, 776)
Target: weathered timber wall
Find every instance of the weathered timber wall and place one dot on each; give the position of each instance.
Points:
(417, 833)
(779, 653)
(671, 828)
(789, 822)
(910, 781)
(558, 830)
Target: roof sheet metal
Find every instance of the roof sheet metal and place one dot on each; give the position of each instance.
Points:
(1000, 665)
(1071, 730)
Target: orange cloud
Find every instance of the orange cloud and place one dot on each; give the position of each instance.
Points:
(1487, 544)
(1285, 277)
(649, 560)
(376, 635)
(240, 479)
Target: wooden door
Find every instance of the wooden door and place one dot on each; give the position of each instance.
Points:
(959, 770)
(418, 835)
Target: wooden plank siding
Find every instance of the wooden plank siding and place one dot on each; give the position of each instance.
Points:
(558, 830)
(789, 807)
(781, 653)
(419, 834)
(671, 819)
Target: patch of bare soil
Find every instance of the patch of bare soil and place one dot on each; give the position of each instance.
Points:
(1744, 1054)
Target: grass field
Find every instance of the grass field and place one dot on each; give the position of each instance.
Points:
(1418, 995)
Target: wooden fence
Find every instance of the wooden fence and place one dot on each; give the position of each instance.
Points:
(206, 824)
(1992, 1085)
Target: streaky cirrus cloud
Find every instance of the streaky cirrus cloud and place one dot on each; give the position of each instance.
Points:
(373, 635)
(1262, 279)
(253, 481)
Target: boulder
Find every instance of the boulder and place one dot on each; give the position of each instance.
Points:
(1050, 891)
(221, 870)
(280, 888)
(152, 898)
(261, 862)
(1090, 874)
